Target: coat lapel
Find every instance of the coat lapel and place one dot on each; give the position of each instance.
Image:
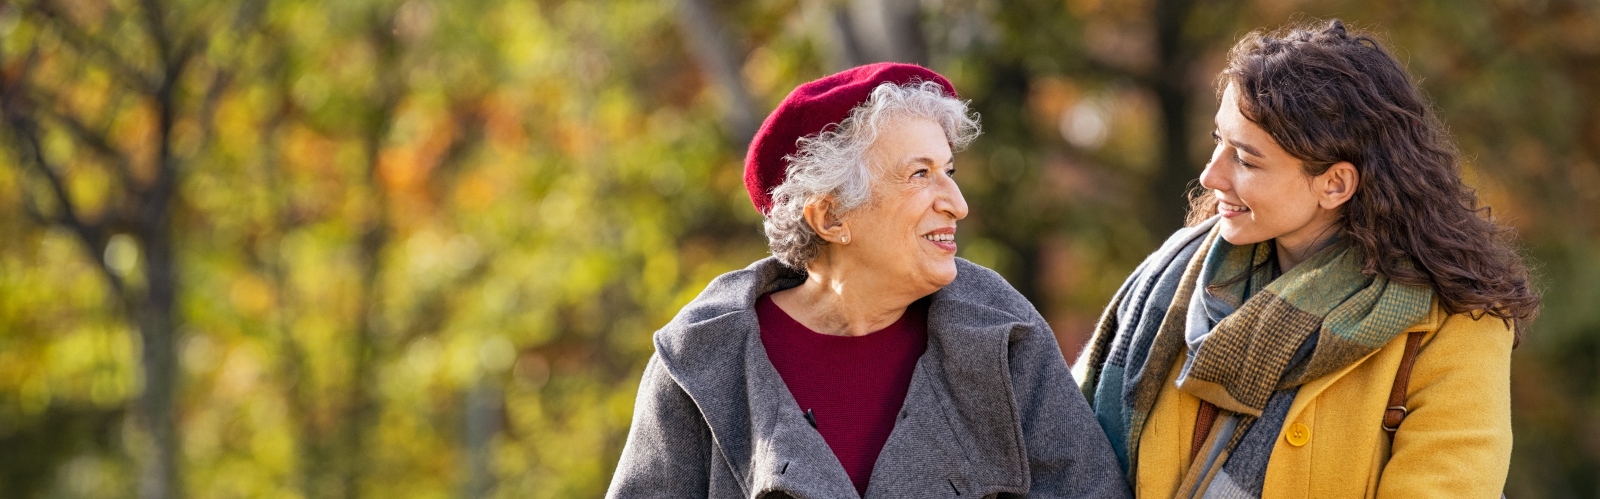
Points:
(931, 453)
(709, 349)
(957, 432)
(788, 454)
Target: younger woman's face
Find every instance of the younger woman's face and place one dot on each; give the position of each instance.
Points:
(1262, 192)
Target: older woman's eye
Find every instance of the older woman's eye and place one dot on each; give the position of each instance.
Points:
(950, 172)
(1216, 138)
(923, 172)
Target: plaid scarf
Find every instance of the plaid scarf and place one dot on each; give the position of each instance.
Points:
(1252, 339)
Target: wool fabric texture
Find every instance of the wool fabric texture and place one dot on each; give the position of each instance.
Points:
(1250, 340)
(851, 386)
(811, 109)
(990, 412)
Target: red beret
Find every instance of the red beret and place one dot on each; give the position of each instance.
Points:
(813, 108)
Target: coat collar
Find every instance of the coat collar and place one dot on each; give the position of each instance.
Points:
(951, 435)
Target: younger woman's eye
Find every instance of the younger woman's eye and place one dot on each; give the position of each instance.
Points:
(1240, 159)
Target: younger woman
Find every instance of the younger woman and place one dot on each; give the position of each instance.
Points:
(1263, 350)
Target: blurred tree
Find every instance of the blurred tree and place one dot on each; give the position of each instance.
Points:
(416, 248)
(149, 65)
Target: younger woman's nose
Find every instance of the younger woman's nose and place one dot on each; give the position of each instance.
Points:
(1213, 177)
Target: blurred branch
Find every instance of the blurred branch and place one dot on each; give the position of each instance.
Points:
(30, 207)
(135, 78)
(33, 152)
(95, 139)
(716, 57)
(208, 105)
(310, 440)
(362, 407)
(887, 30)
(249, 14)
(15, 105)
(159, 194)
(156, 28)
(847, 47)
(469, 123)
(432, 311)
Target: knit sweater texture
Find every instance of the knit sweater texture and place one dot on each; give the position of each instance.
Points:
(851, 386)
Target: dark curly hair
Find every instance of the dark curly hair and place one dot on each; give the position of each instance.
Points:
(1327, 95)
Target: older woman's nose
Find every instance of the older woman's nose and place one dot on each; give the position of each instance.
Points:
(952, 203)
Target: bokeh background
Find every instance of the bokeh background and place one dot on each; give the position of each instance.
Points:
(376, 248)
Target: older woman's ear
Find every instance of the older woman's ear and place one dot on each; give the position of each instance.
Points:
(820, 216)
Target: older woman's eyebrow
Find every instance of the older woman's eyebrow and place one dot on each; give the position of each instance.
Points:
(929, 161)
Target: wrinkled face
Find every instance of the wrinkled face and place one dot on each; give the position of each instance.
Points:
(907, 230)
(1262, 192)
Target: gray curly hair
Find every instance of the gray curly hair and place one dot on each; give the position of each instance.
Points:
(834, 162)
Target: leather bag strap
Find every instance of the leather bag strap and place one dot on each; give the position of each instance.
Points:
(1397, 395)
(1396, 412)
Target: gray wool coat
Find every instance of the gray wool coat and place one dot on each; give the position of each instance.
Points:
(992, 410)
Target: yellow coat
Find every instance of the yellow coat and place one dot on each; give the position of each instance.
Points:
(1456, 442)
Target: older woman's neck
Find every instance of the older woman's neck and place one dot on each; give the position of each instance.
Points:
(842, 304)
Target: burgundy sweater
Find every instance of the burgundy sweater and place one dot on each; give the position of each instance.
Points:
(852, 387)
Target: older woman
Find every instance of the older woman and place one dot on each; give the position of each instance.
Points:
(863, 359)
(1337, 321)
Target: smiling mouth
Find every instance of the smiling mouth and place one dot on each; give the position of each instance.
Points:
(1225, 206)
(940, 238)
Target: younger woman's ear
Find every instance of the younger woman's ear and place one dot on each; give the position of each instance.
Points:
(819, 215)
(1337, 185)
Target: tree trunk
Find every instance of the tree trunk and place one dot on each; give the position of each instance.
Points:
(719, 60)
(889, 30)
(482, 424)
(363, 405)
(157, 321)
(1176, 169)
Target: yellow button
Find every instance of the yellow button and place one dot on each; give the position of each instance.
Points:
(1298, 434)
